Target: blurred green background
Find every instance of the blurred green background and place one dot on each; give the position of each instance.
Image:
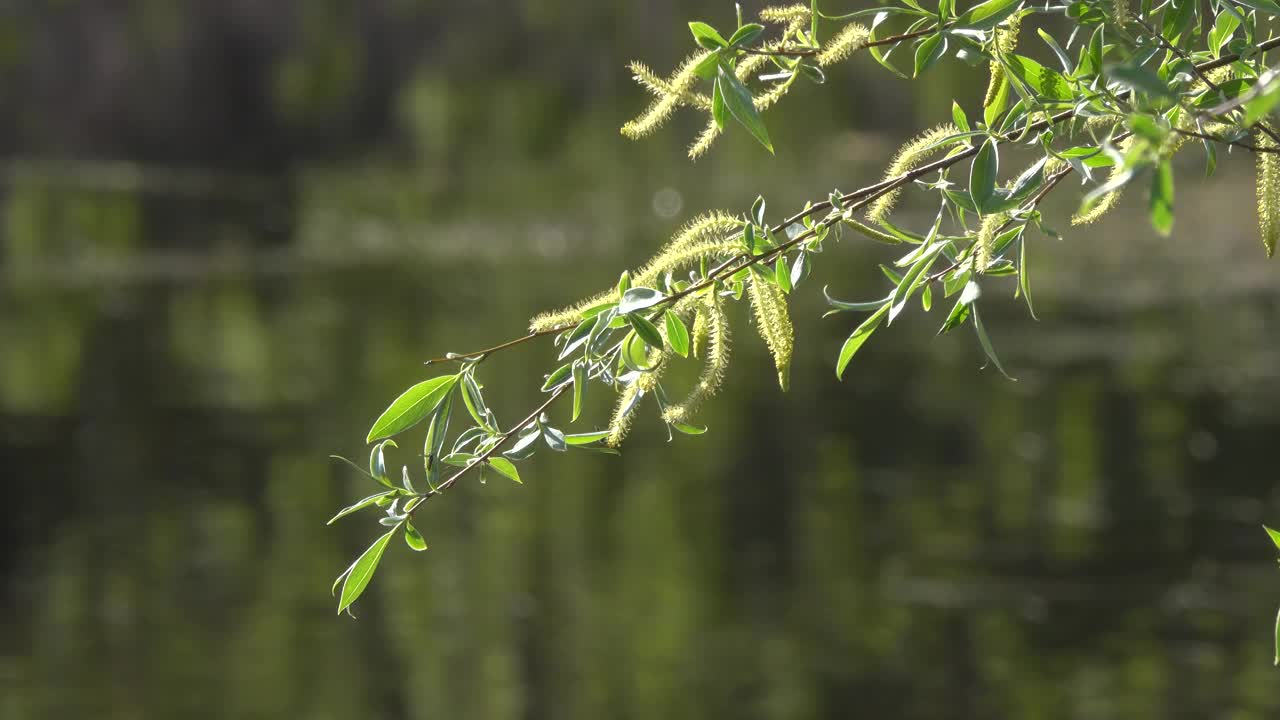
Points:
(233, 230)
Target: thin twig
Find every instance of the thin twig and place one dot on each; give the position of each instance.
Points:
(1204, 77)
(500, 346)
(484, 457)
(808, 52)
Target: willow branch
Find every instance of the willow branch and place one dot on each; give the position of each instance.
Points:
(484, 457)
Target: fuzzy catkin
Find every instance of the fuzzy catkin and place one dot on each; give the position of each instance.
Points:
(717, 334)
(1006, 41)
(985, 244)
(661, 87)
(706, 236)
(1268, 184)
(774, 323)
(1106, 202)
(660, 110)
(785, 15)
(850, 39)
(909, 156)
(624, 412)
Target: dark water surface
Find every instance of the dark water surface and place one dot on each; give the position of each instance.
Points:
(181, 349)
(924, 540)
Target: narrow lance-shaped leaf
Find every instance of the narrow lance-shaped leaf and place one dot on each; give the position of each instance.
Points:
(677, 334)
(982, 175)
(361, 571)
(857, 338)
(412, 407)
(741, 105)
(985, 341)
(579, 388)
(1161, 198)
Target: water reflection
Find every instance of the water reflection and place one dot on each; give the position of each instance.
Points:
(924, 539)
(180, 351)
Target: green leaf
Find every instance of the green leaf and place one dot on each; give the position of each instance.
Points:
(927, 53)
(707, 36)
(982, 174)
(554, 439)
(1260, 105)
(958, 116)
(586, 438)
(959, 314)
(635, 354)
(738, 99)
(677, 334)
(985, 341)
(361, 571)
(782, 274)
(857, 338)
(412, 407)
(639, 298)
(1140, 80)
(988, 14)
(558, 377)
(360, 505)
(1277, 661)
(474, 399)
(624, 283)
(378, 463)
(505, 468)
(719, 112)
(1274, 535)
(1047, 82)
(1024, 278)
(647, 331)
(579, 388)
(1160, 206)
(1264, 6)
(433, 446)
(746, 34)
(413, 538)
(688, 429)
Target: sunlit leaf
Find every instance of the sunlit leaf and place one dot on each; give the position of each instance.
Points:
(414, 405)
(361, 571)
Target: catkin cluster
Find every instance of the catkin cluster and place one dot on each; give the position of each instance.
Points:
(679, 90)
(713, 323)
(909, 156)
(708, 236)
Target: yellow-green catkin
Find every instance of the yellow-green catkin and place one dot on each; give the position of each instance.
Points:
(661, 87)
(717, 350)
(785, 15)
(681, 83)
(698, 335)
(707, 236)
(774, 323)
(1268, 194)
(850, 39)
(908, 157)
(1120, 12)
(1006, 42)
(624, 412)
(1107, 202)
(987, 234)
